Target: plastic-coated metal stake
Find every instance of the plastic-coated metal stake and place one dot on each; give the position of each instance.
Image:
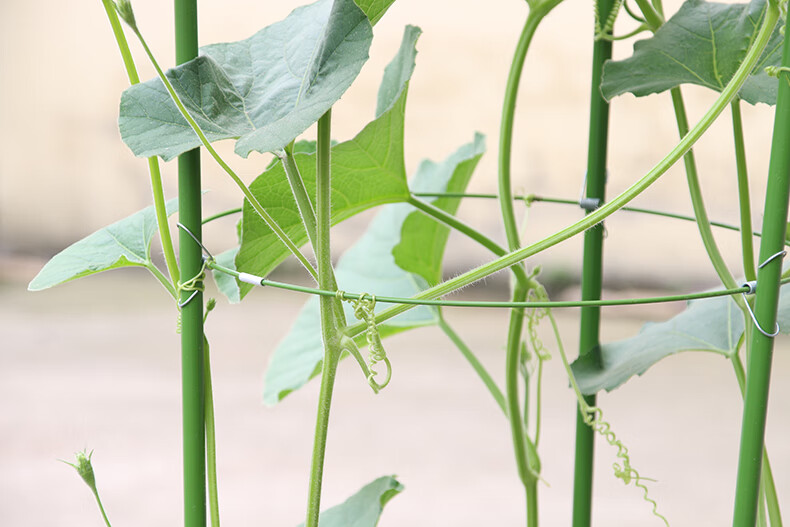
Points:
(194, 442)
(758, 373)
(592, 271)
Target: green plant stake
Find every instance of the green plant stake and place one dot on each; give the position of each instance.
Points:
(191, 299)
(766, 301)
(592, 267)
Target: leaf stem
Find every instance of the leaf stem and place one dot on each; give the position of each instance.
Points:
(653, 18)
(162, 279)
(153, 163)
(703, 223)
(453, 222)
(769, 22)
(469, 355)
(211, 440)
(253, 201)
(747, 243)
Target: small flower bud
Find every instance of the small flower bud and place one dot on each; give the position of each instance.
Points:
(85, 469)
(124, 8)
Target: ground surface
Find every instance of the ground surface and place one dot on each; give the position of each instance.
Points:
(95, 365)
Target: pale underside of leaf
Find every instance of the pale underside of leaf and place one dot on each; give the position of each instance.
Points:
(263, 91)
(713, 325)
(125, 243)
(364, 508)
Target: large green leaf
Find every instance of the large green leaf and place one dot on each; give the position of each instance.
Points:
(367, 171)
(422, 247)
(124, 243)
(369, 266)
(263, 91)
(374, 9)
(364, 508)
(713, 325)
(703, 43)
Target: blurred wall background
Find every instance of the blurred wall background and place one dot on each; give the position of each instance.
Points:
(64, 171)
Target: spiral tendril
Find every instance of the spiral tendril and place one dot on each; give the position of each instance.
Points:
(593, 417)
(603, 32)
(364, 310)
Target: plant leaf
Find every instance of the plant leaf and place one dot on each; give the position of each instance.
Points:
(703, 44)
(263, 91)
(364, 508)
(369, 266)
(125, 243)
(374, 9)
(367, 170)
(421, 248)
(714, 324)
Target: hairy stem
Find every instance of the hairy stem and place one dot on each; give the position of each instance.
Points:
(329, 331)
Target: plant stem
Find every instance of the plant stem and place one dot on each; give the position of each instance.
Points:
(653, 18)
(592, 272)
(451, 221)
(747, 243)
(769, 22)
(506, 128)
(532, 504)
(469, 355)
(307, 213)
(251, 199)
(192, 367)
(211, 440)
(329, 332)
(153, 164)
(299, 192)
(709, 242)
(101, 508)
(771, 497)
(766, 301)
(700, 213)
(527, 471)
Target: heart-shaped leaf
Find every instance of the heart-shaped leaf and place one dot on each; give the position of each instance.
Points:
(703, 44)
(367, 170)
(369, 266)
(364, 508)
(263, 91)
(125, 243)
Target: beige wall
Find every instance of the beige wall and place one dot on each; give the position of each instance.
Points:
(64, 171)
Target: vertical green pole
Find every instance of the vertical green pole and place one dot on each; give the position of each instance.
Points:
(194, 443)
(592, 271)
(758, 373)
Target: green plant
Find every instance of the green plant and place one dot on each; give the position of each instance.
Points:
(310, 186)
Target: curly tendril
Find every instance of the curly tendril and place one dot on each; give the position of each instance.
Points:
(593, 417)
(605, 31)
(364, 310)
